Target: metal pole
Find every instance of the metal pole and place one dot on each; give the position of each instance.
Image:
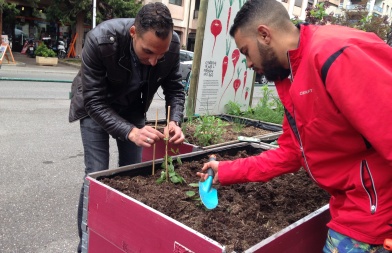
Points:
(94, 12)
(187, 25)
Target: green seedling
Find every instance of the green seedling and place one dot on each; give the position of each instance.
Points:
(209, 130)
(193, 194)
(168, 170)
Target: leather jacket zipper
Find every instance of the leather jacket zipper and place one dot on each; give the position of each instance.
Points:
(368, 185)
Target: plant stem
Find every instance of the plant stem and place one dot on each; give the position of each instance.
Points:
(166, 143)
(153, 152)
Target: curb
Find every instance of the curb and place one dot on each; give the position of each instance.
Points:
(34, 80)
(20, 67)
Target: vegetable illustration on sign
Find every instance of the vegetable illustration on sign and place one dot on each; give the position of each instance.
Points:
(246, 93)
(245, 75)
(216, 25)
(235, 56)
(225, 61)
(228, 16)
(237, 83)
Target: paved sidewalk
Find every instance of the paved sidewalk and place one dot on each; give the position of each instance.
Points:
(23, 63)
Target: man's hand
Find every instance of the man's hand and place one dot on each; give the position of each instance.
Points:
(174, 132)
(214, 166)
(145, 137)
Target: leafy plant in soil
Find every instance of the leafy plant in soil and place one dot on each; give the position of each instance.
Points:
(168, 170)
(268, 109)
(246, 214)
(209, 129)
(230, 132)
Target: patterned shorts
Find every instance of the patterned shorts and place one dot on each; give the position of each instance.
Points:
(338, 243)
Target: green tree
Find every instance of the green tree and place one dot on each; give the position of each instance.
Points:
(9, 9)
(66, 11)
(358, 18)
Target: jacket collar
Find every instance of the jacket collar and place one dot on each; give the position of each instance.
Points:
(125, 59)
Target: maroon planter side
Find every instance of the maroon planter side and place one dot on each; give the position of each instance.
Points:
(306, 235)
(184, 148)
(118, 223)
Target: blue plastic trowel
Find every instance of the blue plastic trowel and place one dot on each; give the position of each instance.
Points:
(209, 195)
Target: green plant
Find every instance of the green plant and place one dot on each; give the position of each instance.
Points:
(233, 108)
(209, 129)
(192, 194)
(269, 108)
(44, 51)
(238, 125)
(174, 177)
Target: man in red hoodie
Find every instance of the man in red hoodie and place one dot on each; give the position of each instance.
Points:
(336, 86)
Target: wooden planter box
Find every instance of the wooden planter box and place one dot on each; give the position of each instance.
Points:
(115, 222)
(46, 61)
(275, 129)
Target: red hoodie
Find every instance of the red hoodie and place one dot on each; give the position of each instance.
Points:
(338, 126)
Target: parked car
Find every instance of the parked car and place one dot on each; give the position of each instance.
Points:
(186, 58)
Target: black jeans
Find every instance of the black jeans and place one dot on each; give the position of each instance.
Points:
(96, 156)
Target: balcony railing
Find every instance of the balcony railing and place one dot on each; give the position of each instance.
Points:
(378, 9)
(355, 6)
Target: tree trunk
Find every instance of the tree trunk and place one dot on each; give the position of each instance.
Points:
(80, 32)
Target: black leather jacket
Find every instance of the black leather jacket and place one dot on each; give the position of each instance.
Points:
(105, 76)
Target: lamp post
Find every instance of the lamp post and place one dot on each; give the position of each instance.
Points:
(187, 25)
(94, 12)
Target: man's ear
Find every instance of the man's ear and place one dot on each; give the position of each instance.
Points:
(132, 31)
(264, 33)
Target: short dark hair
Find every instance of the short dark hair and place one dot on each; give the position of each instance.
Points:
(269, 12)
(154, 16)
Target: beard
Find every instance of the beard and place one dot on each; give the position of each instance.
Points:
(273, 71)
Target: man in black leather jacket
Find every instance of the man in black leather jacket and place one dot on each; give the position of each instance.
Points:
(124, 63)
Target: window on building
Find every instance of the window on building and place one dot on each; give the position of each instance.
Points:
(176, 2)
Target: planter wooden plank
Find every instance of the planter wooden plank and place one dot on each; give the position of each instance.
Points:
(99, 244)
(308, 233)
(134, 227)
(46, 61)
(275, 130)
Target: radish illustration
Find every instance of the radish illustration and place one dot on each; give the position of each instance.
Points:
(245, 75)
(246, 92)
(235, 56)
(216, 25)
(237, 83)
(225, 61)
(228, 15)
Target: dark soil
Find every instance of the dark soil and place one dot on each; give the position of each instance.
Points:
(230, 133)
(246, 213)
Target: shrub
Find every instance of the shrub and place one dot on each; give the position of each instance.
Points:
(44, 51)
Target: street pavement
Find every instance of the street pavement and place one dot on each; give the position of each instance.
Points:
(23, 63)
(41, 159)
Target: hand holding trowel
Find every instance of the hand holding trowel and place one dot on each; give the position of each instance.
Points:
(209, 195)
